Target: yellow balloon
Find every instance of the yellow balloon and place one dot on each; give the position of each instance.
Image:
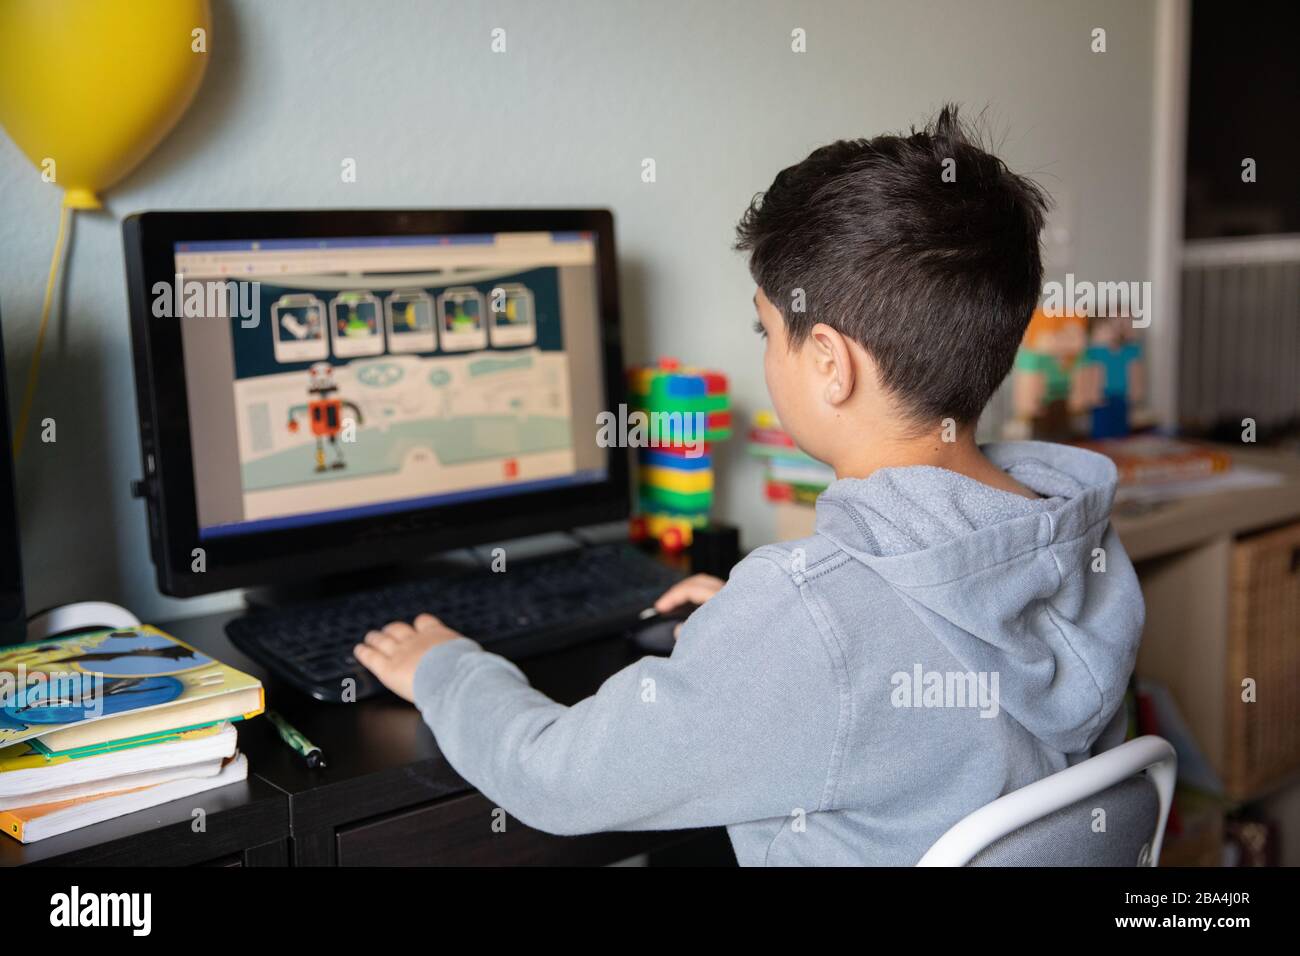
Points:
(89, 87)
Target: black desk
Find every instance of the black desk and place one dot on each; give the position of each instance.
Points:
(245, 824)
(387, 796)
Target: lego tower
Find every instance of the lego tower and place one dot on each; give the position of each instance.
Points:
(675, 475)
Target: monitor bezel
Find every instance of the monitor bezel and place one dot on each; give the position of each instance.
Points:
(303, 553)
(13, 608)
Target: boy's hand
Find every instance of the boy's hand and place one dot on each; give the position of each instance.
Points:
(393, 653)
(696, 589)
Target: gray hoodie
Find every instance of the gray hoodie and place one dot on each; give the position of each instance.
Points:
(847, 698)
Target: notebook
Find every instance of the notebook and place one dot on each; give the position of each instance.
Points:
(78, 692)
(128, 781)
(29, 776)
(39, 822)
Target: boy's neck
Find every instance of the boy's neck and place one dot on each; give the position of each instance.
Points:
(962, 456)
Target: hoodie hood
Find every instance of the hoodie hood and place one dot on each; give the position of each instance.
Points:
(1036, 591)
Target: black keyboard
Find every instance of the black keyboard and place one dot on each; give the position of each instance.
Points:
(534, 606)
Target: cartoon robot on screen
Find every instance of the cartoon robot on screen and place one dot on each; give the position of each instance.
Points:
(325, 411)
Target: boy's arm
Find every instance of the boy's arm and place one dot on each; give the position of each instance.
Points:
(739, 724)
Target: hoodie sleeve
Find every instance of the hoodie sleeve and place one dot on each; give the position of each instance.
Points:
(739, 724)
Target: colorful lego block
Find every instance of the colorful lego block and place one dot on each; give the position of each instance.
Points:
(675, 480)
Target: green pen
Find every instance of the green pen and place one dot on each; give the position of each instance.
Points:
(294, 738)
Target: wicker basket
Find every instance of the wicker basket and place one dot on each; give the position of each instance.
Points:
(1263, 738)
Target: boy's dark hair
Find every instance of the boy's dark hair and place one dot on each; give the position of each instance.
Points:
(935, 279)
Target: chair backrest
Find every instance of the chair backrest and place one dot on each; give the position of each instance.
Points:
(1109, 810)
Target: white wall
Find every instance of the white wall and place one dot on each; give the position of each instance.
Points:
(587, 89)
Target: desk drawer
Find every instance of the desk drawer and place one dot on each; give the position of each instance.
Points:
(459, 832)
(1263, 736)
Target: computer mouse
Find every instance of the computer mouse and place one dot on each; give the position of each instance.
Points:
(655, 632)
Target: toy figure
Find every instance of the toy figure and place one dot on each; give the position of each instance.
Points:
(325, 412)
(1046, 392)
(1113, 374)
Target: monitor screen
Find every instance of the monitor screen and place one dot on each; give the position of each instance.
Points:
(351, 377)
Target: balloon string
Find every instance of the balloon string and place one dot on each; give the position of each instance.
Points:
(33, 371)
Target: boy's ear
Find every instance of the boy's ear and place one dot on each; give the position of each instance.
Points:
(834, 363)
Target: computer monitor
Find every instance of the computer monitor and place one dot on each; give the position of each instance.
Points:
(332, 391)
(13, 615)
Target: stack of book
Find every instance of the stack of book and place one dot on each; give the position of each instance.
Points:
(108, 722)
(790, 476)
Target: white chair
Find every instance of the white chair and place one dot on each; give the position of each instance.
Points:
(1056, 821)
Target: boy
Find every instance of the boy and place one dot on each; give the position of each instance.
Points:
(947, 635)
